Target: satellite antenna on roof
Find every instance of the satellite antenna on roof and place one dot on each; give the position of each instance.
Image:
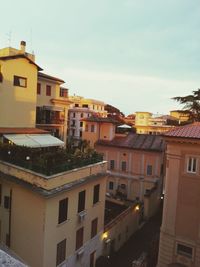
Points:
(9, 35)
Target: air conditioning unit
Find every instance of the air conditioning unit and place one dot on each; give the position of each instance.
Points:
(80, 253)
(82, 215)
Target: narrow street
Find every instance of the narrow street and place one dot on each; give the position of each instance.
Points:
(144, 240)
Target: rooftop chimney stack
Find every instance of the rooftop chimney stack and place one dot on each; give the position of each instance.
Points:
(23, 47)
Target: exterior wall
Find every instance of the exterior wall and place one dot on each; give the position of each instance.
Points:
(102, 131)
(75, 117)
(34, 229)
(21, 111)
(152, 129)
(120, 229)
(59, 127)
(27, 219)
(179, 115)
(181, 221)
(142, 118)
(54, 232)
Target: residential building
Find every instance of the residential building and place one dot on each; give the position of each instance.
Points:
(18, 83)
(147, 123)
(135, 164)
(180, 235)
(180, 115)
(82, 108)
(97, 128)
(52, 105)
(53, 220)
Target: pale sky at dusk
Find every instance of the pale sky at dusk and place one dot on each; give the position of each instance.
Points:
(133, 54)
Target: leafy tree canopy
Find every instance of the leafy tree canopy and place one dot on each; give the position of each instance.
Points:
(191, 105)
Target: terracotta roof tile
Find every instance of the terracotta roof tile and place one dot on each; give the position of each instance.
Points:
(187, 131)
(136, 141)
(4, 130)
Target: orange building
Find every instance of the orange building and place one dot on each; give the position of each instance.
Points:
(180, 230)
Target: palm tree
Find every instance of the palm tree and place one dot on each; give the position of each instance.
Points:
(191, 105)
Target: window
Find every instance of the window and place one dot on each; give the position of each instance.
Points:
(123, 166)
(80, 133)
(79, 238)
(61, 252)
(112, 164)
(86, 127)
(92, 128)
(85, 106)
(94, 225)
(184, 250)
(38, 88)
(20, 81)
(149, 169)
(191, 165)
(74, 115)
(81, 124)
(81, 201)
(81, 115)
(63, 92)
(96, 193)
(48, 90)
(63, 208)
(7, 202)
(123, 186)
(76, 105)
(92, 259)
(111, 185)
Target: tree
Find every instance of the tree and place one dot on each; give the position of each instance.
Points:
(191, 105)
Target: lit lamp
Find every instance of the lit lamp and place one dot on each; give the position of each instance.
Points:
(137, 208)
(105, 236)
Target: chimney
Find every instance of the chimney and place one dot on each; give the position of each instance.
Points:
(23, 47)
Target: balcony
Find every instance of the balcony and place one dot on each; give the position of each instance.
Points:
(49, 121)
(50, 117)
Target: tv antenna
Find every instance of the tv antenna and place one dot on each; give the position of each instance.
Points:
(9, 36)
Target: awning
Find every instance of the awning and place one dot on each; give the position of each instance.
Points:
(34, 140)
(125, 126)
(53, 108)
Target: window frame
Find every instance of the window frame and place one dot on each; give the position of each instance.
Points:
(38, 88)
(149, 170)
(79, 238)
(94, 227)
(109, 185)
(63, 215)
(96, 193)
(183, 253)
(48, 90)
(16, 81)
(81, 201)
(123, 163)
(191, 164)
(61, 252)
(112, 164)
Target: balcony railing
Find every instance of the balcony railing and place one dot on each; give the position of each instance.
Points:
(50, 121)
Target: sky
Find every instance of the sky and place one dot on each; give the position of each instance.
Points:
(133, 54)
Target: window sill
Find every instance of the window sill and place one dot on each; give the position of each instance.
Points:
(62, 223)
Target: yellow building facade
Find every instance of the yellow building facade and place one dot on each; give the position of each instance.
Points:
(55, 220)
(18, 83)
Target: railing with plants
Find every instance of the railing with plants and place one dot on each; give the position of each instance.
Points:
(48, 161)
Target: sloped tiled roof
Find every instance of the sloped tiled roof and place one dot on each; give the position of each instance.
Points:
(136, 141)
(101, 119)
(187, 131)
(49, 77)
(4, 130)
(20, 56)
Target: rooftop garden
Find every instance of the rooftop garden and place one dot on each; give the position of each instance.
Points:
(51, 160)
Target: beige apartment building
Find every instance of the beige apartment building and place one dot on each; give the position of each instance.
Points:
(52, 105)
(53, 220)
(180, 230)
(135, 162)
(81, 108)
